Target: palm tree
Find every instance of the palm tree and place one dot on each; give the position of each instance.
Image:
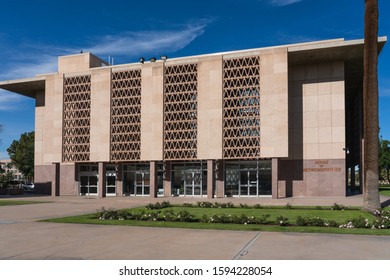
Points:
(371, 200)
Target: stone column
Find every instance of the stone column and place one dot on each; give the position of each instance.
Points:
(119, 179)
(274, 169)
(55, 182)
(220, 179)
(102, 180)
(153, 179)
(167, 179)
(210, 179)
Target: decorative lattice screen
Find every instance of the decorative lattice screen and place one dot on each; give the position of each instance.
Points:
(126, 116)
(76, 119)
(180, 112)
(241, 108)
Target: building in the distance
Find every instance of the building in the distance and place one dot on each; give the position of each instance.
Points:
(7, 167)
(278, 121)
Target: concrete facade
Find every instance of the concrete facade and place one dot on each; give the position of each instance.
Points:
(262, 122)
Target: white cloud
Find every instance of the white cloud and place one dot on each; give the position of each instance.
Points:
(280, 3)
(46, 64)
(35, 59)
(144, 42)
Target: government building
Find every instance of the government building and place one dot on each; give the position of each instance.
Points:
(283, 121)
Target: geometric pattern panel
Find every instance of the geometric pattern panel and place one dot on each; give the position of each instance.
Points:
(180, 112)
(241, 108)
(126, 115)
(76, 119)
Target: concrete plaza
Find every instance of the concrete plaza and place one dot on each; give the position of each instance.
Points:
(23, 237)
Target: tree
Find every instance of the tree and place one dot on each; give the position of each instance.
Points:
(384, 159)
(371, 200)
(21, 153)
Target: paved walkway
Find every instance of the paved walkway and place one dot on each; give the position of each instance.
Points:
(22, 237)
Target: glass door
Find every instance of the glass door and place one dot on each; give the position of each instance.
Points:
(252, 183)
(248, 183)
(193, 183)
(142, 183)
(243, 189)
(88, 184)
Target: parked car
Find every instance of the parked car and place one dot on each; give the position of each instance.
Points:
(28, 186)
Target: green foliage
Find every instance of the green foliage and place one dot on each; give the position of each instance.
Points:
(384, 159)
(158, 205)
(282, 221)
(357, 222)
(338, 207)
(205, 204)
(244, 205)
(288, 206)
(383, 219)
(6, 178)
(234, 219)
(315, 222)
(21, 152)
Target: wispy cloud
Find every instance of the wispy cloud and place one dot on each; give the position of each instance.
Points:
(139, 43)
(36, 58)
(280, 3)
(9, 101)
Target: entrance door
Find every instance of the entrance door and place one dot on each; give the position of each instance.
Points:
(110, 179)
(110, 183)
(142, 183)
(193, 183)
(88, 184)
(248, 183)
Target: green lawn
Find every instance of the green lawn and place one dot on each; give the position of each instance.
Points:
(19, 202)
(384, 190)
(291, 214)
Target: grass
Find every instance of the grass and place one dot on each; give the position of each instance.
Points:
(274, 212)
(19, 202)
(384, 190)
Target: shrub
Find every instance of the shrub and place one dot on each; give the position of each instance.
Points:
(223, 205)
(205, 204)
(331, 223)
(158, 205)
(187, 205)
(315, 222)
(337, 206)
(185, 216)
(257, 206)
(282, 221)
(383, 219)
(358, 222)
(107, 214)
(288, 206)
(244, 205)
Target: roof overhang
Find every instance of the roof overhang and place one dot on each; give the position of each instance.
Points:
(329, 51)
(28, 87)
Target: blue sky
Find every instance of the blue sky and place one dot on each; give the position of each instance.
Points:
(34, 33)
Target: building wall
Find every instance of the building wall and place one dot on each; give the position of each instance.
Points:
(302, 119)
(152, 111)
(210, 108)
(100, 115)
(316, 162)
(274, 103)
